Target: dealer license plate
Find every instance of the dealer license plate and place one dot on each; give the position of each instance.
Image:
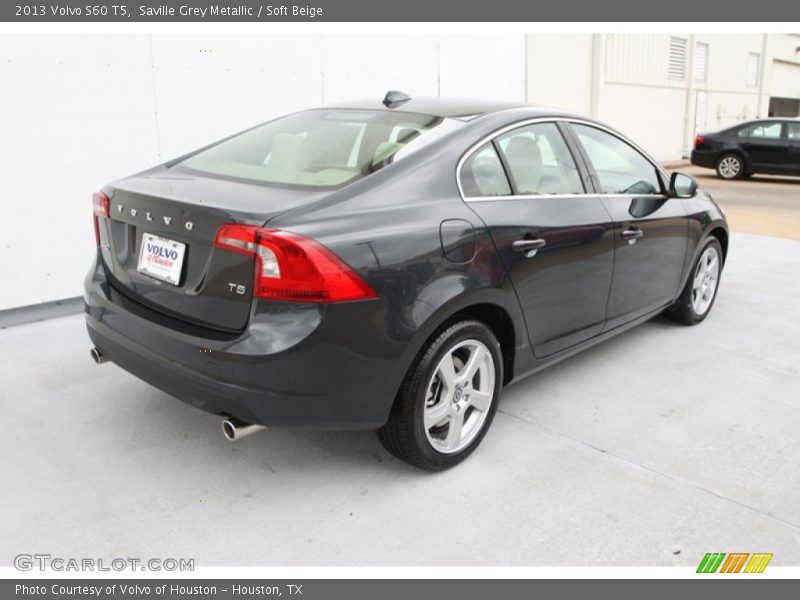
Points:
(161, 258)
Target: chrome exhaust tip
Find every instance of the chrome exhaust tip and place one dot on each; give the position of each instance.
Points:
(97, 356)
(234, 429)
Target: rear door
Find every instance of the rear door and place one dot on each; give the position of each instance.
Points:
(555, 239)
(650, 229)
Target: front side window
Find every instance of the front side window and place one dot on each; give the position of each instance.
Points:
(620, 168)
(482, 174)
(539, 161)
(315, 148)
(770, 131)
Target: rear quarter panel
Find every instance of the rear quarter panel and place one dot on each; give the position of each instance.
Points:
(388, 228)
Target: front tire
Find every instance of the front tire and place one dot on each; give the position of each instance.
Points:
(700, 291)
(448, 398)
(730, 166)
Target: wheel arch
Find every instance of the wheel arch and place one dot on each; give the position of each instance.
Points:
(499, 312)
(736, 151)
(721, 234)
(496, 318)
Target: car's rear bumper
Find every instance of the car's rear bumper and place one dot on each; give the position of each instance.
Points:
(294, 366)
(703, 159)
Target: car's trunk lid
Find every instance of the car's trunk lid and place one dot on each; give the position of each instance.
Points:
(158, 243)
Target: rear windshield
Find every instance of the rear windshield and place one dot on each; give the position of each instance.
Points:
(315, 148)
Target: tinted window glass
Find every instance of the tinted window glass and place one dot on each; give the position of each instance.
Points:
(793, 131)
(483, 175)
(620, 168)
(317, 148)
(744, 132)
(765, 130)
(540, 161)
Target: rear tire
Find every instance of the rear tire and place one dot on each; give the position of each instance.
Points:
(700, 291)
(730, 166)
(448, 398)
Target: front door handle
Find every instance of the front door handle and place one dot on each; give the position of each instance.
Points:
(528, 247)
(631, 235)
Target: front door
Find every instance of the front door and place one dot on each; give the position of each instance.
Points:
(555, 240)
(650, 229)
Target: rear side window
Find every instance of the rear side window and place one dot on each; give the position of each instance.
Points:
(770, 131)
(482, 174)
(315, 148)
(539, 161)
(793, 131)
(620, 168)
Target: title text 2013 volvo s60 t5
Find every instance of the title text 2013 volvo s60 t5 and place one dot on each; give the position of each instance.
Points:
(391, 265)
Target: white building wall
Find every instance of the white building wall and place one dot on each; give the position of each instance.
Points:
(783, 79)
(726, 99)
(559, 68)
(650, 115)
(627, 82)
(79, 111)
(75, 113)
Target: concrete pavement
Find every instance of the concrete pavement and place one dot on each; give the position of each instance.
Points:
(651, 449)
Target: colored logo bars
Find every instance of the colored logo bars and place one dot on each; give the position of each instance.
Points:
(714, 562)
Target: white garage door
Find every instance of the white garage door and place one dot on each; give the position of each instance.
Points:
(785, 80)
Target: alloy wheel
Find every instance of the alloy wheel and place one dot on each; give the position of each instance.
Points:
(458, 396)
(729, 167)
(706, 278)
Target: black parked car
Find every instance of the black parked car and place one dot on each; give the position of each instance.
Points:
(769, 146)
(392, 265)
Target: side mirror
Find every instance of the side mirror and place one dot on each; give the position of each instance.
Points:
(682, 185)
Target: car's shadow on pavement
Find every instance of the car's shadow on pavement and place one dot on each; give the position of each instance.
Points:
(273, 451)
(264, 453)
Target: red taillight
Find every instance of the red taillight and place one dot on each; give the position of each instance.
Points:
(293, 268)
(698, 140)
(100, 209)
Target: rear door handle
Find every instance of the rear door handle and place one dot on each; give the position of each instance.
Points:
(631, 235)
(528, 247)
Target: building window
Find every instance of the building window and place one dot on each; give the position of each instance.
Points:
(700, 62)
(753, 68)
(677, 58)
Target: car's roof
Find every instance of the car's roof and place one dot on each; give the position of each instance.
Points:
(766, 120)
(736, 126)
(437, 107)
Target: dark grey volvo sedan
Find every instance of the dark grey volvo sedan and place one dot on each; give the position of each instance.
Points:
(391, 265)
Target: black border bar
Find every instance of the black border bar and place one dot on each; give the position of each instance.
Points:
(738, 587)
(172, 11)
